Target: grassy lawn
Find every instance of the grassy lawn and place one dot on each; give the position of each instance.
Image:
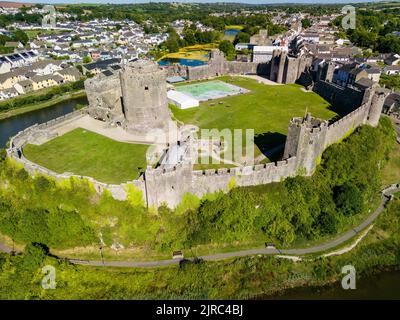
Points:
(33, 33)
(89, 154)
(236, 27)
(266, 109)
(391, 171)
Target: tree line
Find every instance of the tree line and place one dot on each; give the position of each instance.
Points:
(374, 30)
(341, 192)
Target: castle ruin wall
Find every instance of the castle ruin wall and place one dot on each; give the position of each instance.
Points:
(104, 96)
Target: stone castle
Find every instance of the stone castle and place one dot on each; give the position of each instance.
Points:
(306, 140)
(135, 98)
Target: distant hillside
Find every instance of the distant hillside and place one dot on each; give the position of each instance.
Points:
(9, 4)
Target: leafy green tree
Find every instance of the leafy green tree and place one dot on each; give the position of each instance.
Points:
(228, 49)
(390, 81)
(20, 36)
(87, 59)
(389, 43)
(349, 200)
(306, 23)
(241, 37)
(42, 184)
(34, 254)
(329, 222)
(3, 154)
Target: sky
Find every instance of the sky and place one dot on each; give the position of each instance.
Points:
(199, 1)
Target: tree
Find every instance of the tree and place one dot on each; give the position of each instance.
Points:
(389, 43)
(20, 36)
(34, 254)
(328, 222)
(349, 199)
(228, 49)
(87, 59)
(390, 81)
(241, 37)
(3, 154)
(306, 23)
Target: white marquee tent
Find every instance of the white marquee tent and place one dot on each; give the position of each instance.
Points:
(181, 100)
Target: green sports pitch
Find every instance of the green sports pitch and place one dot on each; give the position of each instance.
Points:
(210, 90)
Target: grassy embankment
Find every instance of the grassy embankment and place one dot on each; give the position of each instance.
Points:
(391, 172)
(240, 278)
(152, 234)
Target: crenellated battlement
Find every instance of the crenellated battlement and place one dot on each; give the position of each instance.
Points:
(307, 136)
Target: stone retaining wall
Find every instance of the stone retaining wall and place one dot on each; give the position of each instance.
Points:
(307, 139)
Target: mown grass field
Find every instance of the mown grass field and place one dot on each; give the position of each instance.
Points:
(391, 172)
(267, 109)
(89, 154)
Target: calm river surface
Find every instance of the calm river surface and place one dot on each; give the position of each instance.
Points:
(385, 285)
(11, 126)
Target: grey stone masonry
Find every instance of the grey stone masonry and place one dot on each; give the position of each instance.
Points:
(137, 96)
(144, 97)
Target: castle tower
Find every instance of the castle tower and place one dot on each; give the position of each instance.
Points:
(302, 61)
(217, 63)
(327, 72)
(274, 65)
(306, 141)
(281, 67)
(291, 70)
(375, 109)
(144, 97)
(104, 97)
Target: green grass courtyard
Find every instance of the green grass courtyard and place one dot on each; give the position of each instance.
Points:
(267, 109)
(89, 154)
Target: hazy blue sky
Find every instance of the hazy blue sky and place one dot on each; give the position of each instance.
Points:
(237, 1)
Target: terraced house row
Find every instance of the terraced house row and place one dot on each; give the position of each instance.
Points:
(39, 75)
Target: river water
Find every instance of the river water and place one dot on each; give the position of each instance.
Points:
(11, 126)
(385, 285)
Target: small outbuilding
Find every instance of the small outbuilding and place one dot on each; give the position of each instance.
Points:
(182, 100)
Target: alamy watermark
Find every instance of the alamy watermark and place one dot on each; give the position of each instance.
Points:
(49, 279)
(49, 20)
(201, 146)
(349, 20)
(349, 280)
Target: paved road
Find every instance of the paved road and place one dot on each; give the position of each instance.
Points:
(241, 253)
(264, 251)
